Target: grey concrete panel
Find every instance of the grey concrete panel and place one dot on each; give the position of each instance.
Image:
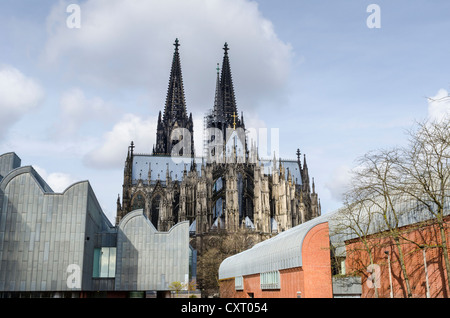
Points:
(148, 259)
(43, 233)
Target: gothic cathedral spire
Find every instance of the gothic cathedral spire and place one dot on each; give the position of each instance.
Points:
(175, 108)
(218, 114)
(175, 113)
(225, 114)
(227, 90)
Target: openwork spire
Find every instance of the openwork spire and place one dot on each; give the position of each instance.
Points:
(175, 109)
(227, 88)
(175, 113)
(218, 113)
(224, 114)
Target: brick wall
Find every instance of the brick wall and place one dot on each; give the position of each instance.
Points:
(358, 260)
(316, 263)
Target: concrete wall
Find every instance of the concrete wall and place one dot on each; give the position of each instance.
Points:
(8, 162)
(48, 241)
(347, 287)
(43, 235)
(147, 259)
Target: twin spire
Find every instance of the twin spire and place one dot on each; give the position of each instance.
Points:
(175, 113)
(175, 108)
(225, 101)
(224, 115)
(227, 89)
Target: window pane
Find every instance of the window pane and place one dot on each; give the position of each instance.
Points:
(96, 267)
(112, 262)
(104, 262)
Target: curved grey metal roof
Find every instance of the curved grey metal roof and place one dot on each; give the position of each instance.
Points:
(279, 252)
(372, 219)
(26, 169)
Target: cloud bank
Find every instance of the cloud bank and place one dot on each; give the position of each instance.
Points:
(19, 95)
(112, 149)
(129, 45)
(124, 48)
(76, 110)
(58, 181)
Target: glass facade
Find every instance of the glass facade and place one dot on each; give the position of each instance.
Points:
(104, 262)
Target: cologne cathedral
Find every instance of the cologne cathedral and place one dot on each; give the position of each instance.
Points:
(228, 187)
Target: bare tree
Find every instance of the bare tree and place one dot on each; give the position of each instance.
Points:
(425, 165)
(393, 181)
(355, 221)
(216, 249)
(375, 182)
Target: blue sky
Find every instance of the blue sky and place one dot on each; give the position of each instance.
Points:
(72, 99)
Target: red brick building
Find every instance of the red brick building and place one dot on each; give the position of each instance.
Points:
(421, 264)
(295, 263)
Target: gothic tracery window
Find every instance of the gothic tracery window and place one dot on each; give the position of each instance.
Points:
(154, 216)
(219, 204)
(218, 185)
(138, 202)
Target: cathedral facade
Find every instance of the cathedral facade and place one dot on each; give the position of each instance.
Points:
(228, 187)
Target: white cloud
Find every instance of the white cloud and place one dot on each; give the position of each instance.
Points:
(19, 95)
(27, 144)
(122, 46)
(439, 105)
(130, 45)
(112, 150)
(58, 181)
(76, 110)
(339, 182)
